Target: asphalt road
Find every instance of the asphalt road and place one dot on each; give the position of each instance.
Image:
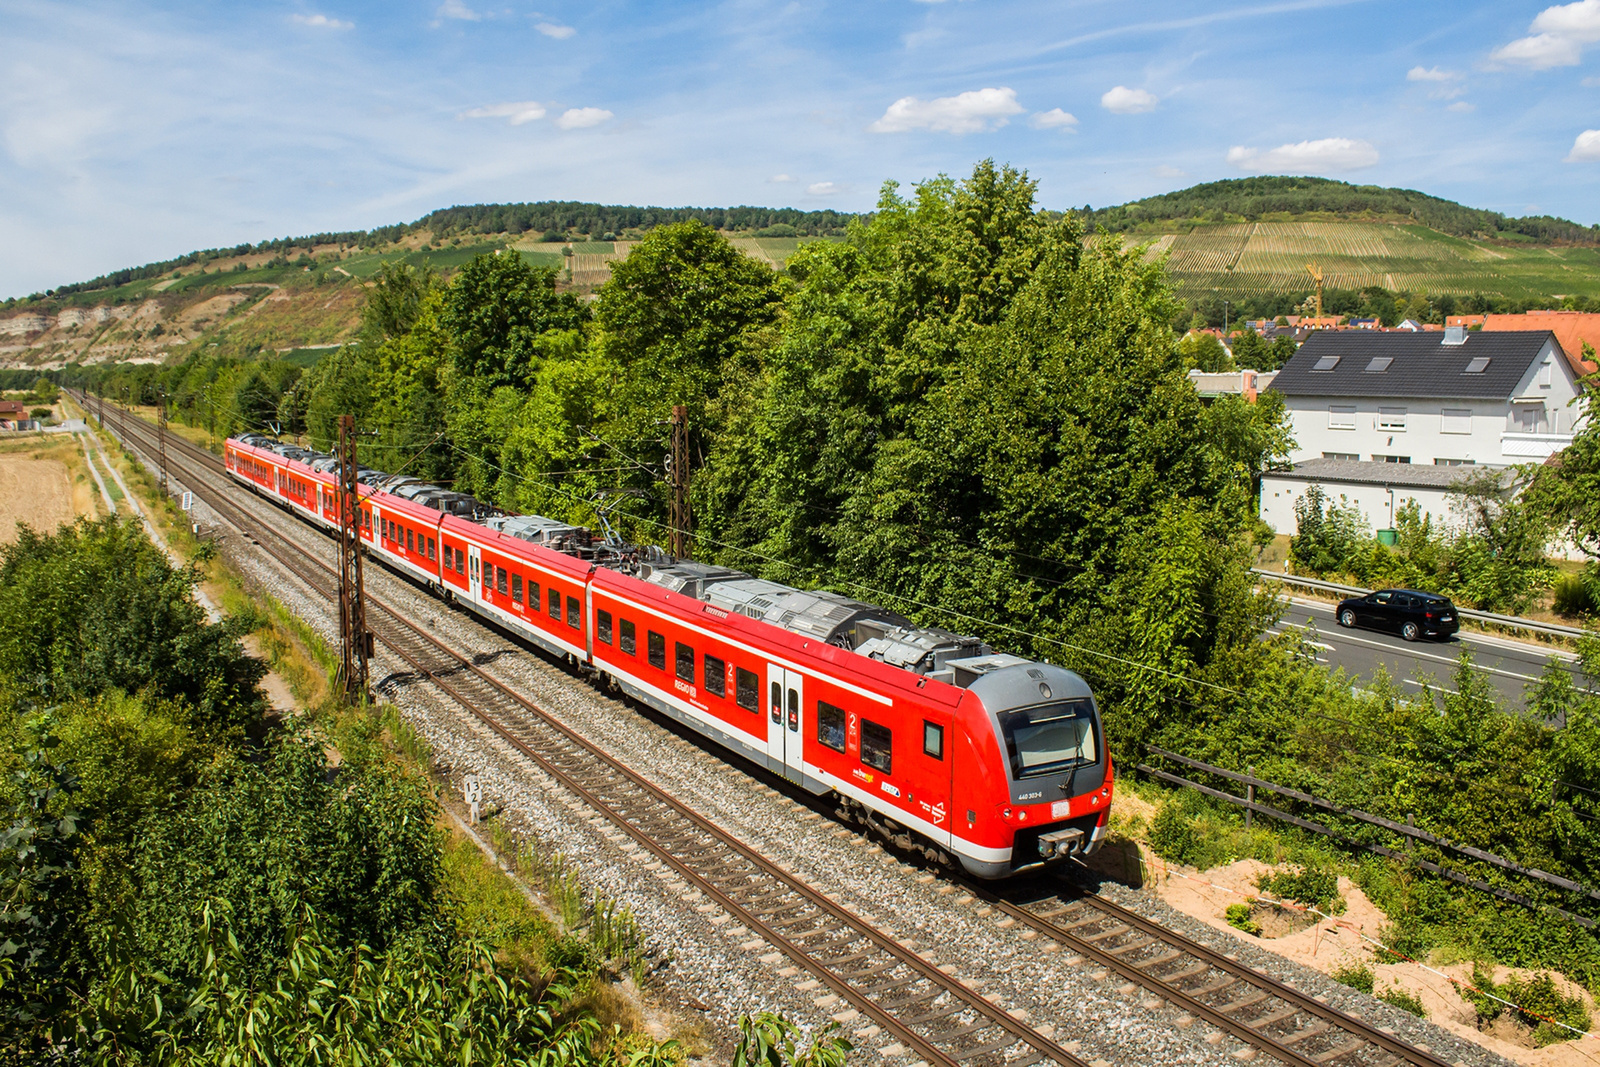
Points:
(1510, 666)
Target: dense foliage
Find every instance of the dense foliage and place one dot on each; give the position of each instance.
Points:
(1249, 199)
(597, 220)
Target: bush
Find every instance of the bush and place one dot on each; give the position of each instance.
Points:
(1405, 1000)
(1308, 884)
(1576, 594)
(1357, 976)
(1537, 1001)
(1238, 916)
(1186, 832)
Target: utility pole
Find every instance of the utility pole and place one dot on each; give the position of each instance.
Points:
(161, 437)
(352, 606)
(100, 404)
(681, 519)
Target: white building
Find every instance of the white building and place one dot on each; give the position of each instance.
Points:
(1447, 399)
(1377, 490)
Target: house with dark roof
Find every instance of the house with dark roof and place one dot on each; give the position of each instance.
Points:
(1449, 398)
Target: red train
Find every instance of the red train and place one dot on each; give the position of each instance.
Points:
(929, 737)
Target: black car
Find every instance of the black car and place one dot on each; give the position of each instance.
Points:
(1403, 611)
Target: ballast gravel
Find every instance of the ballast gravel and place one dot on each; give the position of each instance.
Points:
(704, 965)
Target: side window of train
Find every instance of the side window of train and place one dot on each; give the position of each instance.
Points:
(411, 545)
(533, 595)
(574, 612)
(716, 676)
(683, 656)
(932, 739)
(461, 562)
(627, 643)
(433, 548)
(747, 689)
(877, 746)
(602, 627)
(830, 725)
(555, 603)
(656, 650)
(516, 588)
(500, 580)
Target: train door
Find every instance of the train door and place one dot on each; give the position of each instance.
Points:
(474, 565)
(785, 722)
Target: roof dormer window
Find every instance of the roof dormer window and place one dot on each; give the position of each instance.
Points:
(1326, 363)
(1379, 363)
(1477, 365)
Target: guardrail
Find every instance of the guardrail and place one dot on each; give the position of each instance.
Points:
(1509, 621)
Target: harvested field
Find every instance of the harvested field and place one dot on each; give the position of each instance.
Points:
(43, 485)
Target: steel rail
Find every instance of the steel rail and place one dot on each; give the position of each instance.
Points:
(843, 922)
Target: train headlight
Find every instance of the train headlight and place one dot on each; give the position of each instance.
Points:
(1006, 812)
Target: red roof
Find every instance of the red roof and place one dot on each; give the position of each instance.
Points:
(13, 407)
(1572, 329)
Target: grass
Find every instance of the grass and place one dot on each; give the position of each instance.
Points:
(1271, 257)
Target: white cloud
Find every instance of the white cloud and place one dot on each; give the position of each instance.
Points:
(1125, 101)
(1328, 154)
(1166, 170)
(1586, 149)
(455, 9)
(1591, 83)
(823, 189)
(1579, 21)
(1461, 107)
(581, 118)
(1431, 74)
(779, 179)
(1054, 119)
(1555, 38)
(322, 22)
(519, 112)
(1541, 52)
(552, 29)
(969, 112)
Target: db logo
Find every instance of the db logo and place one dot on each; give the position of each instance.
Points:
(938, 813)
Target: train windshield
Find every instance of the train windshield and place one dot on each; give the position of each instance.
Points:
(1049, 738)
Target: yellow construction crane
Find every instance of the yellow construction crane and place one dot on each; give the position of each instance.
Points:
(1316, 273)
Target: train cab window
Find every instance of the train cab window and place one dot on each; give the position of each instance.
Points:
(683, 656)
(656, 652)
(747, 689)
(500, 575)
(627, 642)
(877, 746)
(411, 545)
(602, 627)
(932, 739)
(716, 676)
(574, 612)
(516, 588)
(830, 725)
(433, 548)
(555, 603)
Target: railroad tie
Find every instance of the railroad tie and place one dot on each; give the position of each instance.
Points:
(1300, 1035)
(1246, 1001)
(1120, 928)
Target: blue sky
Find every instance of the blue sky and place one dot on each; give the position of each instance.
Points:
(132, 131)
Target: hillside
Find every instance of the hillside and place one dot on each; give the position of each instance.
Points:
(1246, 241)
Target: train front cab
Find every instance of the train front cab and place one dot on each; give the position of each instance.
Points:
(1031, 745)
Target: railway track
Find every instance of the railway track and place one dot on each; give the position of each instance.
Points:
(1270, 1015)
(929, 1014)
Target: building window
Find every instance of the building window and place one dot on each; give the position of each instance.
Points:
(1326, 363)
(1546, 374)
(877, 746)
(602, 627)
(1528, 418)
(932, 739)
(683, 657)
(1455, 463)
(574, 612)
(1339, 455)
(1341, 416)
(1391, 459)
(516, 588)
(830, 726)
(1379, 363)
(656, 650)
(1392, 419)
(1455, 420)
(627, 642)
(1477, 365)
(747, 689)
(716, 676)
